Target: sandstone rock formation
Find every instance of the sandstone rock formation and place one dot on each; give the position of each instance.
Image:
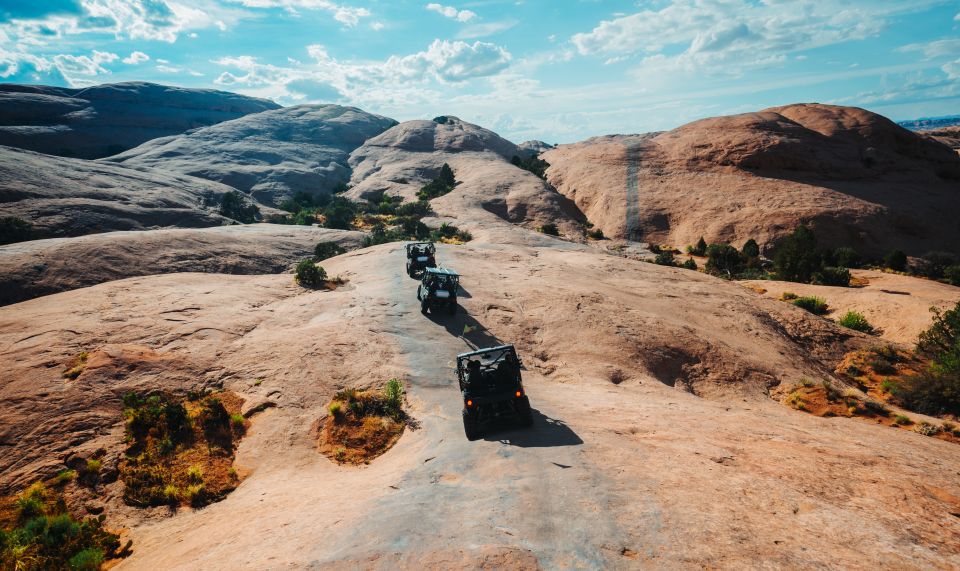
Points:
(42, 267)
(858, 178)
(270, 155)
(401, 160)
(104, 120)
(71, 197)
(949, 136)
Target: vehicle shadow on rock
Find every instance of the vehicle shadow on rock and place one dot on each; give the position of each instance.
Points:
(464, 326)
(546, 432)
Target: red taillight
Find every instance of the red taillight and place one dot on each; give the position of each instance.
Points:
(469, 403)
(519, 394)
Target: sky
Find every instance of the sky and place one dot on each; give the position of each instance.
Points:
(554, 70)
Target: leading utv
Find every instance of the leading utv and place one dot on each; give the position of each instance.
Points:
(491, 387)
(420, 256)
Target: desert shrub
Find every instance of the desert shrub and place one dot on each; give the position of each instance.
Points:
(689, 264)
(339, 213)
(888, 386)
(595, 234)
(195, 474)
(13, 229)
(336, 410)
(443, 184)
(951, 275)
(831, 277)
(902, 419)
(896, 260)
(533, 164)
(832, 393)
(237, 206)
(788, 296)
(418, 208)
(304, 201)
(882, 366)
(933, 264)
(239, 422)
(700, 249)
(797, 258)
(52, 539)
(325, 250)
(941, 341)
(309, 274)
(846, 258)
(65, 476)
(856, 321)
(805, 382)
(750, 249)
(441, 120)
(874, 406)
(93, 466)
(215, 421)
(813, 304)
(723, 259)
(393, 397)
(665, 258)
(550, 229)
(931, 392)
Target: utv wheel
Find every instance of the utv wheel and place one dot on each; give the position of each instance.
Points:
(452, 308)
(526, 415)
(423, 307)
(470, 426)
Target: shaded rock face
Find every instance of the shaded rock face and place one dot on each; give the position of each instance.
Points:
(270, 155)
(104, 120)
(857, 177)
(63, 197)
(43, 267)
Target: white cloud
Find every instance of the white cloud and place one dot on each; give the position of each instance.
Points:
(397, 82)
(136, 58)
(952, 69)
(377, 26)
(451, 12)
(84, 65)
(346, 15)
(168, 69)
(937, 48)
(485, 29)
(728, 36)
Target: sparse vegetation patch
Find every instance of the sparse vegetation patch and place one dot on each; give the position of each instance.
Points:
(180, 452)
(856, 321)
(363, 424)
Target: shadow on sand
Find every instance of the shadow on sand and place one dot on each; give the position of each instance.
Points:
(464, 326)
(546, 432)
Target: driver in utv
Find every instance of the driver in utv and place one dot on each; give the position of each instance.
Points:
(420, 256)
(438, 290)
(491, 387)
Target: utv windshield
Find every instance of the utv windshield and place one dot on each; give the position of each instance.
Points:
(491, 372)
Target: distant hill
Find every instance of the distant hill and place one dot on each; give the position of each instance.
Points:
(930, 123)
(271, 155)
(104, 120)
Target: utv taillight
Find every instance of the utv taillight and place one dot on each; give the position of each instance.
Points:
(519, 394)
(469, 403)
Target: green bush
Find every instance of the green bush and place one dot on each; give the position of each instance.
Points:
(856, 321)
(419, 209)
(443, 184)
(339, 214)
(797, 257)
(700, 249)
(846, 258)
(533, 164)
(325, 250)
(237, 206)
(393, 397)
(933, 264)
(831, 277)
(595, 234)
(665, 258)
(750, 249)
(951, 275)
(13, 229)
(813, 304)
(931, 392)
(941, 341)
(550, 229)
(690, 264)
(309, 274)
(896, 260)
(724, 260)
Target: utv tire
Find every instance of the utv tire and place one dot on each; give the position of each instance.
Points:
(452, 308)
(423, 307)
(470, 426)
(526, 415)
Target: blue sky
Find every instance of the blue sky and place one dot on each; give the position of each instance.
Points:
(559, 70)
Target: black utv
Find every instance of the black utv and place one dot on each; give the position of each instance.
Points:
(491, 387)
(438, 289)
(420, 256)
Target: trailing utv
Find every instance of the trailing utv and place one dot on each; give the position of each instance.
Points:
(492, 388)
(420, 256)
(438, 290)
